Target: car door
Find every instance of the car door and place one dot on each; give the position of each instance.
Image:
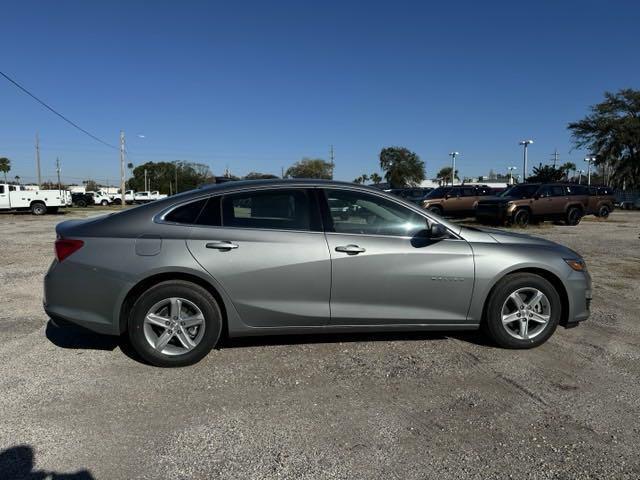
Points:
(382, 273)
(267, 250)
(542, 203)
(4, 198)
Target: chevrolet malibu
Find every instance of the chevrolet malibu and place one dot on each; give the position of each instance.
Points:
(278, 257)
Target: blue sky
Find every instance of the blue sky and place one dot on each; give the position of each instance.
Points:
(259, 85)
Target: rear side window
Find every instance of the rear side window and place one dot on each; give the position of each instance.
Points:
(468, 192)
(578, 190)
(186, 214)
(557, 191)
(271, 209)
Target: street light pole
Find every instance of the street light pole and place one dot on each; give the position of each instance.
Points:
(123, 203)
(589, 161)
(453, 156)
(526, 144)
(511, 169)
(580, 172)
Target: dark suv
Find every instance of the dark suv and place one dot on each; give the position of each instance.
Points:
(527, 202)
(455, 201)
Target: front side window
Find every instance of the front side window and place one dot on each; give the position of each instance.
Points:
(278, 209)
(362, 213)
(557, 191)
(468, 192)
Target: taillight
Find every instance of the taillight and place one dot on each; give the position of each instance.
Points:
(67, 246)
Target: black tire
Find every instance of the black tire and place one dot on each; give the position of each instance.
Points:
(81, 203)
(38, 208)
(493, 325)
(104, 203)
(604, 211)
(186, 290)
(522, 218)
(573, 216)
(436, 210)
(117, 201)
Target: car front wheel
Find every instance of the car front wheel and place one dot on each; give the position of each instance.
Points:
(522, 218)
(604, 211)
(574, 215)
(523, 311)
(174, 324)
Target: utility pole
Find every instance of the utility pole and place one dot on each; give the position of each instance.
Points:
(38, 159)
(555, 157)
(123, 204)
(58, 172)
(281, 172)
(176, 172)
(145, 180)
(331, 160)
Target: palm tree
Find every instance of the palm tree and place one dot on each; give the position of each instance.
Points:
(375, 178)
(5, 166)
(567, 167)
(444, 175)
(17, 177)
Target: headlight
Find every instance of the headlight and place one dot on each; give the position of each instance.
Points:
(576, 264)
(509, 204)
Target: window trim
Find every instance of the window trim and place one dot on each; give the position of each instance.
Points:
(314, 210)
(328, 221)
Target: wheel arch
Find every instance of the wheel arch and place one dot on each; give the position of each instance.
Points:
(541, 272)
(148, 282)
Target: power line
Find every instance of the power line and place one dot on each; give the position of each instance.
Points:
(54, 111)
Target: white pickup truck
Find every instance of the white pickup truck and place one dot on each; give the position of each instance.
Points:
(101, 198)
(128, 197)
(16, 197)
(145, 197)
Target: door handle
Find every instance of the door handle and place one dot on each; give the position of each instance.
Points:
(350, 249)
(222, 245)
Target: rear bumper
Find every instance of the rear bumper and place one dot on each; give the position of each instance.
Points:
(83, 296)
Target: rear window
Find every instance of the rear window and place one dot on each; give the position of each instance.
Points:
(186, 214)
(273, 209)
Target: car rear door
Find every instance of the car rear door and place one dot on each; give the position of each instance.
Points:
(267, 249)
(382, 274)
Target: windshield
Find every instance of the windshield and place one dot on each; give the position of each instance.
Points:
(439, 192)
(520, 191)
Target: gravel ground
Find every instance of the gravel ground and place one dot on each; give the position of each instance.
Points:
(356, 406)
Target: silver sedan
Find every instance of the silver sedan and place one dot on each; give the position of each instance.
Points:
(291, 257)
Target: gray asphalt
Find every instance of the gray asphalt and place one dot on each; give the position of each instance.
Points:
(357, 406)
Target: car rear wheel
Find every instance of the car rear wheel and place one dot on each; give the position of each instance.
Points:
(38, 208)
(604, 211)
(117, 201)
(81, 203)
(523, 311)
(573, 217)
(104, 203)
(522, 218)
(174, 324)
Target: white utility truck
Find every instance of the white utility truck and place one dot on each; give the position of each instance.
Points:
(16, 197)
(101, 198)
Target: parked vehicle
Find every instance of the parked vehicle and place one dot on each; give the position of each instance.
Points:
(82, 200)
(100, 198)
(527, 202)
(156, 195)
(601, 201)
(39, 202)
(414, 195)
(129, 197)
(455, 201)
(281, 257)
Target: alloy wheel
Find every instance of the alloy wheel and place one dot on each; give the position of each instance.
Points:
(526, 313)
(174, 326)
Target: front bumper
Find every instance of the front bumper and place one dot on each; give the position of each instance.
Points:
(579, 293)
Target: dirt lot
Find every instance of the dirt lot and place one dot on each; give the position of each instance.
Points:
(358, 406)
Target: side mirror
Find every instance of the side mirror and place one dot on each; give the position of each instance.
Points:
(433, 232)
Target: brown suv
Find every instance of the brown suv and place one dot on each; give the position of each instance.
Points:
(527, 202)
(456, 201)
(601, 200)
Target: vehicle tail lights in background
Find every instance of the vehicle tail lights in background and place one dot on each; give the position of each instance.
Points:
(67, 246)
